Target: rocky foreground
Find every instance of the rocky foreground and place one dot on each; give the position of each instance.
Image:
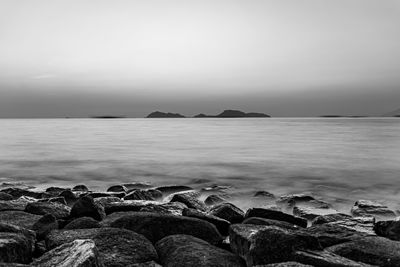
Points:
(140, 225)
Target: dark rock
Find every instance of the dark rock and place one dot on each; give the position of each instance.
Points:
(284, 264)
(159, 114)
(15, 247)
(185, 250)
(10, 228)
(170, 189)
(227, 211)
(78, 253)
(221, 224)
(264, 194)
(106, 200)
(371, 250)
(117, 247)
(137, 185)
(190, 200)
(117, 188)
(312, 213)
(388, 229)
(70, 197)
(215, 188)
(370, 208)
(275, 215)
(129, 205)
(156, 226)
(18, 192)
(229, 113)
(19, 218)
(2, 264)
(80, 187)
(115, 216)
(292, 199)
(12, 205)
(325, 258)
(40, 249)
(86, 207)
(45, 225)
(212, 200)
(173, 208)
(41, 208)
(82, 223)
(330, 218)
(106, 194)
(5, 196)
(140, 194)
(55, 191)
(360, 224)
(144, 264)
(60, 200)
(268, 222)
(268, 244)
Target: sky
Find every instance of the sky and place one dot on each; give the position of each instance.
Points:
(78, 58)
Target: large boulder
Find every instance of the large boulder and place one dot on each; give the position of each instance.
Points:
(29, 234)
(376, 250)
(41, 208)
(18, 192)
(173, 208)
(58, 199)
(19, 218)
(86, 207)
(117, 188)
(268, 244)
(15, 247)
(185, 250)
(330, 218)
(141, 194)
(80, 187)
(371, 208)
(268, 222)
(228, 211)
(190, 200)
(221, 224)
(82, 223)
(78, 253)
(360, 224)
(156, 226)
(311, 213)
(275, 215)
(44, 225)
(325, 258)
(5, 196)
(106, 200)
(212, 200)
(128, 205)
(389, 229)
(117, 247)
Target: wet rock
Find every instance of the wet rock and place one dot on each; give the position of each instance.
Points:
(155, 226)
(185, 250)
(117, 247)
(268, 244)
(18, 192)
(40, 249)
(41, 208)
(293, 199)
(330, 218)
(70, 197)
(115, 216)
(12, 205)
(82, 223)
(166, 190)
(106, 194)
(325, 258)
(370, 208)
(45, 225)
(371, 250)
(228, 211)
(137, 185)
(60, 200)
(388, 229)
(264, 194)
(2, 264)
(360, 224)
(117, 188)
(221, 224)
(212, 200)
(55, 191)
(19, 218)
(268, 222)
(140, 194)
(275, 215)
(105, 200)
(285, 264)
(128, 205)
(215, 188)
(312, 213)
(144, 264)
(15, 247)
(6, 197)
(10, 228)
(174, 208)
(86, 207)
(80, 187)
(78, 253)
(190, 200)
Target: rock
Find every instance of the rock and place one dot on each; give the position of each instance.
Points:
(170, 189)
(140, 194)
(369, 208)
(185, 250)
(80, 187)
(330, 218)
(44, 225)
(18, 192)
(6, 197)
(190, 200)
(12, 205)
(388, 229)
(106, 194)
(312, 213)
(55, 191)
(215, 188)
(2, 264)
(86, 207)
(117, 188)
(128, 205)
(159, 114)
(105, 200)
(155, 226)
(360, 224)
(212, 200)
(117, 247)
(78, 253)
(29, 234)
(60, 200)
(83, 223)
(19, 218)
(40, 249)
(268, 222)
(284, 264)
(115, 216)
(144, 264)
(264, 194)
(275, 215)
(15, 247)
(173, 208)
(268, 244)
(325, 258)
(70, 197)
(228, 211)
(295, 198)
(41, 208)
(221, 224)
(137, 185)
(371, 250)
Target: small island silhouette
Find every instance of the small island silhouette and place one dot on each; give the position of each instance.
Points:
(159, 114)
(229, 113)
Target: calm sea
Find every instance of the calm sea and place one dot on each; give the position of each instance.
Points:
(339, 160)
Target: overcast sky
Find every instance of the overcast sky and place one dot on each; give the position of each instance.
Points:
(283, 57)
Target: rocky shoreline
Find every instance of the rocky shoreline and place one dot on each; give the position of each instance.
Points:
(139, 224)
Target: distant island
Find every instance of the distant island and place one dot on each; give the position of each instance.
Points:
(394, 113)
(159, 114)
(230, 113)
(107, 117)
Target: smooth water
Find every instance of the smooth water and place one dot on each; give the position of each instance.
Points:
(337, 159)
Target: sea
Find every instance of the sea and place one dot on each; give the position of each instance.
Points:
(337, 160)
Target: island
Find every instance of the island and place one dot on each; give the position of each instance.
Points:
(159, 114)
(230, 113)
(107, 117)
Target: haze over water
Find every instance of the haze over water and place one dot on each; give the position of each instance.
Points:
(338, 160)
